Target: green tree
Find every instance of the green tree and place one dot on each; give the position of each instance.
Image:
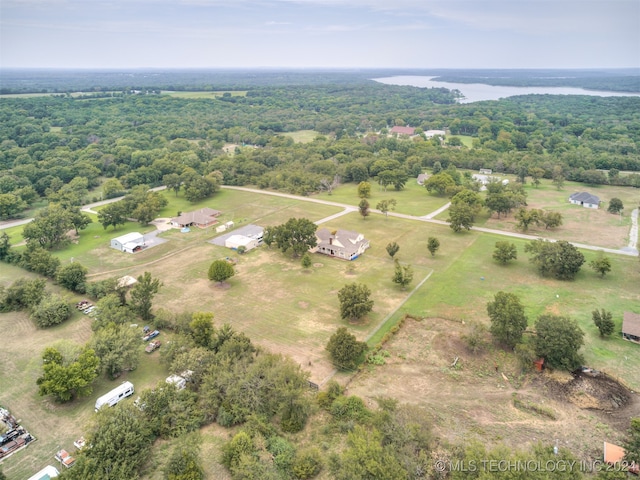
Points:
(199, 188)
(403, 274)
(527, 217)
(439, 183)
(220, 271)
(79, 220)
(433, 244)
(558, 177)
(295, 237)
(460, 216)
(39, 260)
(120, 440)
(306, 262)
(345, 350)
(505, 251)
(49, 227)
(365, 457)
(118, 348)
(172, 182)
(557, 259)
(72, 276)
(536, 174)
(632, 444)
(185, 463)
(5, 246)
(142, 295)
(11, 205)
(112, 215)
(240, 446)
(354, 301)
(112, 187)
(508, 321)
(558, 340)
(601, 264)
(364, 189)
(307, 463)
(363, 208)
(22, 293)
(615, 205)
(65, 378)
(604, 321)
(551, 219)
(52, 310)
(385, 205)
(202, 329)
(392, 249)
(470, 198)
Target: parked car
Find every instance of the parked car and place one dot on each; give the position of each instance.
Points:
(65, 458)
(150, 335)
(152, 346)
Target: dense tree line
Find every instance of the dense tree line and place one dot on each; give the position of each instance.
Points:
(47, 143)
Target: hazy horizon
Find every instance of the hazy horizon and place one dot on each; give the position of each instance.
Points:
(320, 34)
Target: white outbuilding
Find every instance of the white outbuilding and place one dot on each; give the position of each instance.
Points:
(235, 241)
(129, 243)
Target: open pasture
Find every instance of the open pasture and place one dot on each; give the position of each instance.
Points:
(412, 200)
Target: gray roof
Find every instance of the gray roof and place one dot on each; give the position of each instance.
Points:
(348, 240)
(585, 197)
(631, 323)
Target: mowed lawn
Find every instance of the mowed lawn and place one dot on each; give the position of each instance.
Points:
(412, 200)
(582, 225)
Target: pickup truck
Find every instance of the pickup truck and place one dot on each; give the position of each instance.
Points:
(150, 335)
(152, 346)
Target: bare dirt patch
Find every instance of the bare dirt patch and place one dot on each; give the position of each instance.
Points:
(475, 398)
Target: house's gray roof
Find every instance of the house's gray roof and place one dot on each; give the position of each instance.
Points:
(348, 238)
(585, 197)
(631, 323)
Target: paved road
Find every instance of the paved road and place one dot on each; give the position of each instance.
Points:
(85, 208)
(429, 219)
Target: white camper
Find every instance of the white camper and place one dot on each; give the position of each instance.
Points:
(115, 395)
(177, 380)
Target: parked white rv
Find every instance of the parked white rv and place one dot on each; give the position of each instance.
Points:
(115, 395)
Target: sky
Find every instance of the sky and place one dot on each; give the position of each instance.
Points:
(319, 33)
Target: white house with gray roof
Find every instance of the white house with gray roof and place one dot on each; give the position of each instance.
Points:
(587, 200)
(340, 243)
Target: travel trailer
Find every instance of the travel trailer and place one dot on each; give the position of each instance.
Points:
(115, 395)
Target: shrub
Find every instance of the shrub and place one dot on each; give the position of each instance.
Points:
(307, 463)
(52, 310)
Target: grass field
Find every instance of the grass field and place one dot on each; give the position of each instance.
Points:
(288, 309)
(412, 200)
(204, 94)
(303, 136)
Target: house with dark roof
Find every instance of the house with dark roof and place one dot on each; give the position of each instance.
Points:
(200, 218)
(344, 244)
(631, 327)
(403, 130)
(587, 200)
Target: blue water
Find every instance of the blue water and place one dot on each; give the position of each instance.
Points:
(476, 92)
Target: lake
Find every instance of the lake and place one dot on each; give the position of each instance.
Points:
(476, 92)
